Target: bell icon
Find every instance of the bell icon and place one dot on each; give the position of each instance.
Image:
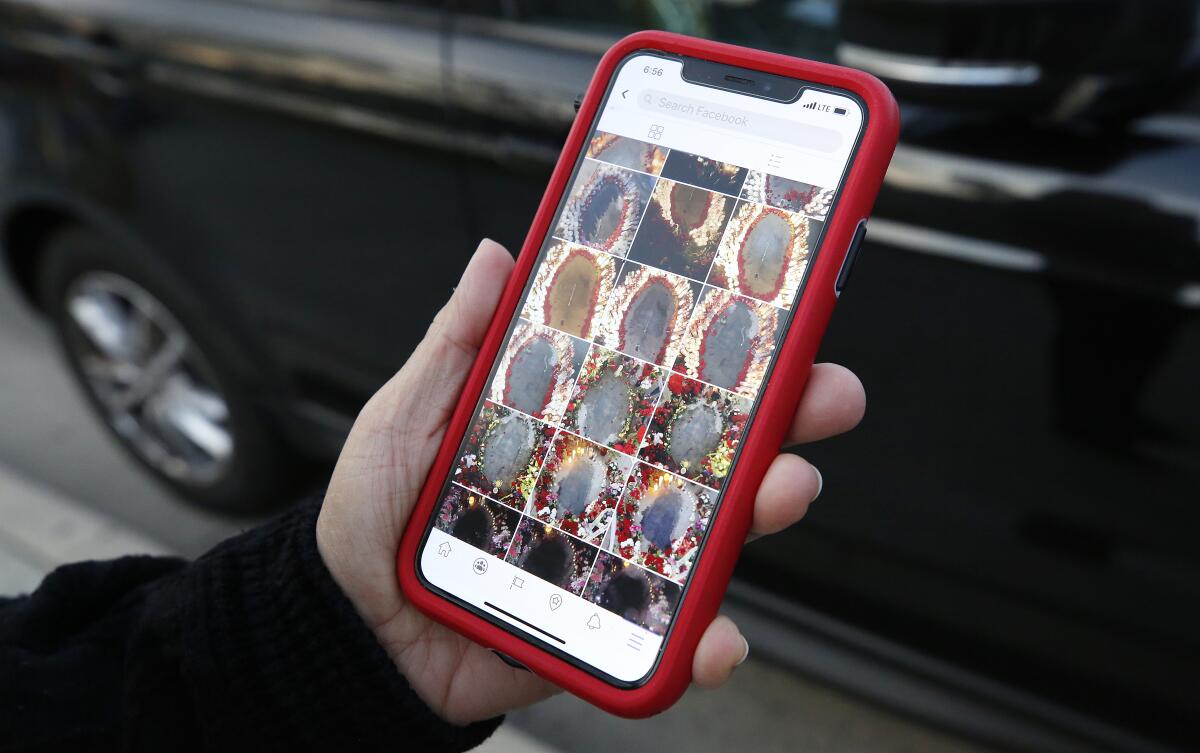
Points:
(594, 622)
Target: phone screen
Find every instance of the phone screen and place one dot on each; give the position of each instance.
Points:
(594, 464)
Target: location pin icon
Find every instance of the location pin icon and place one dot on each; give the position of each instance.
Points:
(555, 602)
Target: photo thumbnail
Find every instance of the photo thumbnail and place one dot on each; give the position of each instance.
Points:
(604, 207)
(729, 341)
(570, 289)
(626, 152)
(764, 253)
(503, 453)
(660, 521)
(613, 399)
(648, 313)
(547, 553)
(632, 593)
(695, 430)
(580, 485)
(681, 229)
(704, 172)
(473, 519)
(537, 370)
(785, 193)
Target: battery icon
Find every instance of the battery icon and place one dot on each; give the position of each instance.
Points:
(839, 111)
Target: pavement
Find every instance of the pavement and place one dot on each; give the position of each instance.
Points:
(43, 529)
(68, 493)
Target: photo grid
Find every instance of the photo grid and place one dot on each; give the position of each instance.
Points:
(607, 433)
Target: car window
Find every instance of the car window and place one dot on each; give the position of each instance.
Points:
(806, 28)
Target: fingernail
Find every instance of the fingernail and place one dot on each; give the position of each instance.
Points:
(745, 652)
(820, 483)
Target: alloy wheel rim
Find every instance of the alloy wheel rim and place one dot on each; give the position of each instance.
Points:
(156, 389)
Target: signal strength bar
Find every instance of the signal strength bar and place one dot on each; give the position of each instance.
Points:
(811, 105)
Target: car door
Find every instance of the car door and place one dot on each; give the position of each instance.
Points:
(290, 160)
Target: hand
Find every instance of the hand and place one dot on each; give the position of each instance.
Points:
(387, 457)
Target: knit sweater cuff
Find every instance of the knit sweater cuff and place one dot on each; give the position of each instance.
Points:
(289, 650)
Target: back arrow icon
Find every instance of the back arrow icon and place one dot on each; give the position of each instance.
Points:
(624, 93)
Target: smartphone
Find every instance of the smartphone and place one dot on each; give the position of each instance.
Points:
(597, 479)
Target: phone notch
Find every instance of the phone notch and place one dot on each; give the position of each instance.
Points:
(741, 80)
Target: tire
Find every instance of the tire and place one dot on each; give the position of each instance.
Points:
(163, 378)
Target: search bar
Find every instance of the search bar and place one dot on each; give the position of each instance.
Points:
(749, 123)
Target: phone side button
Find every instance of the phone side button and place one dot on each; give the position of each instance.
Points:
(851, 256)
(510, 661)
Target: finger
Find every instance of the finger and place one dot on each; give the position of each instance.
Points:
(834, 402)
(721, 649)
(790, 486)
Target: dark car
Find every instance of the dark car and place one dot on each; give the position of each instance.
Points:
(242, 214)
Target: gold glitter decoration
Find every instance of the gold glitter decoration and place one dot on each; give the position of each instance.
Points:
(728, 262)
(589, 182)
(650, 160)
(787, 194)
(702, 236)
(560, 388)
(558, 253)
(609, 332)
(762, 344)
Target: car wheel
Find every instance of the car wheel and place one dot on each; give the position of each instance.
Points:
(162, 379)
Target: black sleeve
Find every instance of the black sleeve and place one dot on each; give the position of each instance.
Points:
(251, 647)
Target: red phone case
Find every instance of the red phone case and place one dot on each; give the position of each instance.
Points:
(779, 398)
